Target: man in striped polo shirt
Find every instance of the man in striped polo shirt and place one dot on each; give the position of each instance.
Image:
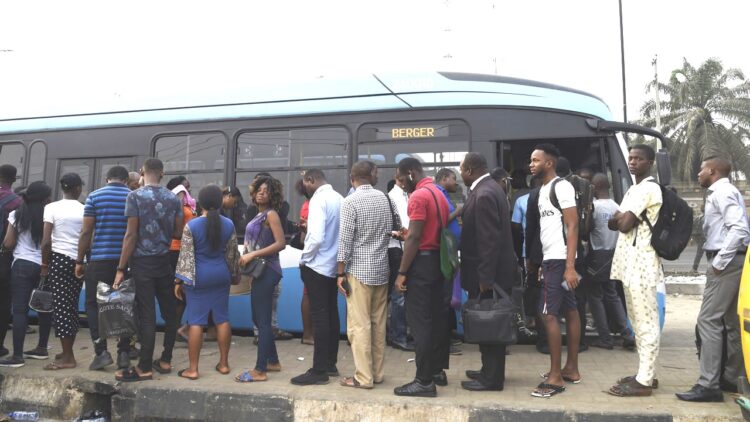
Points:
(104, 218)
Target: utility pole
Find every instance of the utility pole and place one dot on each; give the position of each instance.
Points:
(622, 54)
(656, 98)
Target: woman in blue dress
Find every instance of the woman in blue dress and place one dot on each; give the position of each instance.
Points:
(206, 267)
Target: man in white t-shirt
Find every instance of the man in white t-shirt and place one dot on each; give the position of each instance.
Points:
(558, 222)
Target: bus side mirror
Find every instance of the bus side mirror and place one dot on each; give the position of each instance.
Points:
(663, 168)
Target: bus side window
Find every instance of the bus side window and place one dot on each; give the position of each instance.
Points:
(37, 161)
(13, 153)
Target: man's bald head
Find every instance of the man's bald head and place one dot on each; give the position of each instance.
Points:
(364, 172)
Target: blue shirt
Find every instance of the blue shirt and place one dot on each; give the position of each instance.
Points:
(107, 206)
(453, 226)
(519, 217)
(157, 208)
(322, 239)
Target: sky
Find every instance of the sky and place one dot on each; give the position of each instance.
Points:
(73, 57)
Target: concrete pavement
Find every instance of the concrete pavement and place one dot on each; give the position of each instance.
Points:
(64, 394)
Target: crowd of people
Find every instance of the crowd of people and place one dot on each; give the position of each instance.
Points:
(382, 252)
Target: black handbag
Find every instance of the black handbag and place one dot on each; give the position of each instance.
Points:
(41, 300)
(256, 267)
(598, 264)
(490, 320)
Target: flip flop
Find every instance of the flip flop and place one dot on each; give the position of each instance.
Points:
(218, 365)
(247, 377)
(131, 375)
(546, 391)
(157, 367)
(56, 366)
(182, 371)
(566, 379)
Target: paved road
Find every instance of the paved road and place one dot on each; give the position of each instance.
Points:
(677, 371)
(684, 263)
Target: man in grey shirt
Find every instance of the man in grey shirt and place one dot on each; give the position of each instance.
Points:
(597, 287)
(727, 236)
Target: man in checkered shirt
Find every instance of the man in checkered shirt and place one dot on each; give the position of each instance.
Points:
(367, 219)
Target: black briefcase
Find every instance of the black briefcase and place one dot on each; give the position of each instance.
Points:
(490, 320)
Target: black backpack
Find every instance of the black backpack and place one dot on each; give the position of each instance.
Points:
(584, 191)
(672, 230)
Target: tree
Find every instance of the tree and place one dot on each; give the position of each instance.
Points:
(706, 112)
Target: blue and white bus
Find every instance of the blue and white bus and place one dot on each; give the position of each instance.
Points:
(328, 124)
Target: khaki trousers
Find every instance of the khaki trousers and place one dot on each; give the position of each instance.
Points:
(365, 327)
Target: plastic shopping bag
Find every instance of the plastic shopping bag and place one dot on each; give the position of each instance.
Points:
(116, 309)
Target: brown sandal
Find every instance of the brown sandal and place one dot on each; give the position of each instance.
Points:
(352, 382)
(631, 388)
(654, 382)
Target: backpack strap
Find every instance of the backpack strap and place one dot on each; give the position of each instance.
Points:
(556, 203)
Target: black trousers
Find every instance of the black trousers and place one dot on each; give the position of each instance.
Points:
(103, 271)
(493, 361)
(5, 298)
(324, 311)
(426, 314)
(153, 278)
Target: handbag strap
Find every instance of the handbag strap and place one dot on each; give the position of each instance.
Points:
(42, 282)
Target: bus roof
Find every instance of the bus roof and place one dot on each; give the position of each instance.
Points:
(369, 93)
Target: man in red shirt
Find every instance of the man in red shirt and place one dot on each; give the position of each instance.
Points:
(420, 270)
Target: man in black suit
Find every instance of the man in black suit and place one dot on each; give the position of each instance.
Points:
(487, 258)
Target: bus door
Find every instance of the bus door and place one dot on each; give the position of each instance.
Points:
(93, 171)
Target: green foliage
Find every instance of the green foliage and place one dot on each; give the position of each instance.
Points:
(706, 112)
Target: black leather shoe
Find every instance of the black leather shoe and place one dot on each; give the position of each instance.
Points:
(473, 374)
(700, 393)
(727, 386)
(475, 385)
(440, 379)
(415, 389)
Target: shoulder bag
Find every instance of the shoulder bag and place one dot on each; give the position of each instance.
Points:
(257, 266)
(448, 246)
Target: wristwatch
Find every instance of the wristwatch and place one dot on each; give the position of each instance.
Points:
(402, 273)
(79, 262)
(121, 270)
(341, 275)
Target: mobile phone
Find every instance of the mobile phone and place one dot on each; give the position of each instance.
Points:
(347, 287)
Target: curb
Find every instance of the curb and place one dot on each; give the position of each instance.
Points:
(66, 398)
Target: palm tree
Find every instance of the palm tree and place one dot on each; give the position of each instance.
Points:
(706, 113)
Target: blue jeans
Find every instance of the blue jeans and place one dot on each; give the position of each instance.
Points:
(24, 277)
(261, 301)
(397, 319)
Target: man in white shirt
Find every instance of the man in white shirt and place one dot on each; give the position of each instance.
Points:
(318, 270)
(558, 222)
(397, 326)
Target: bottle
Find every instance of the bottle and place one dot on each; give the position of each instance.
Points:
(20, 415)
